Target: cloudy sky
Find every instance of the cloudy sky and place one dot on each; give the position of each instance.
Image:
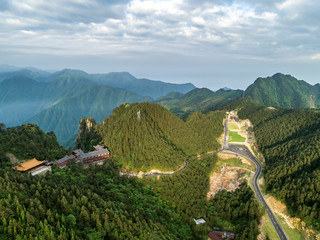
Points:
(212, 44)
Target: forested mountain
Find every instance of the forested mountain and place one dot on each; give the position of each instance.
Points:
(28, 141)
(143, 136)
(290, 142)
(200, 100)
(284, 91)
(143, 87)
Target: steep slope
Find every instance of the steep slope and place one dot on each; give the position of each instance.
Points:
(200, 99)
(143, 136)
(29, 141)
(284, 91)
(289, 141)
(20, 98)
(98, 101)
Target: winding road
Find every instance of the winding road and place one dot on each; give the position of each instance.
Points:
(238, 150)
(243, 151)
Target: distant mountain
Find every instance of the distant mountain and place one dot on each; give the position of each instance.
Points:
(98, 102)
(200, 100)
(64, 97)
(170, 95)
(284, 91)
(143, 87)
(35, 74)
(143, 136)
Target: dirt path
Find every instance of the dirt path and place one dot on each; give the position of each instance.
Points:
(12, 158)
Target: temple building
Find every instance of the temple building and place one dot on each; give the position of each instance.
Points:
(33, 166)
(29, 165)
(98, 156)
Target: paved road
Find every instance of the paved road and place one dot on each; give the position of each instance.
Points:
(243, 151)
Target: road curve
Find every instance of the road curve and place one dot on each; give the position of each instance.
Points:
(243, 151)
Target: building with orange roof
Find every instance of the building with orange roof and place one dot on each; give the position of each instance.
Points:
(29, 165)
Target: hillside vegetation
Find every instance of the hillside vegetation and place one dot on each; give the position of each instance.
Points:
(290, 143)
(143, 136)
(29, 141)
(186, 191)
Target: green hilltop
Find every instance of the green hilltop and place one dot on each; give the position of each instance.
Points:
(284, 91)
(29, 141)
(143, 136)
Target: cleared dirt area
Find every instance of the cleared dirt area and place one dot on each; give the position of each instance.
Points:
(228, 178)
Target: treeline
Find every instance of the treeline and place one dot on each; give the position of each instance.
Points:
(29, 141)
(290, 143)
(186, 191)
(77, 203)
(143, 136)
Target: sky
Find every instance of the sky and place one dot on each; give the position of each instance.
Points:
(214, 44)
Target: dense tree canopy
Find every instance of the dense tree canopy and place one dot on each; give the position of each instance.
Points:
(78, 203)
(29, 141)
(186, 191)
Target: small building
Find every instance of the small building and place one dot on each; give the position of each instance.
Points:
(220, 235)
(99, 155)
(29, 165)
(65, 160)
(199, 221)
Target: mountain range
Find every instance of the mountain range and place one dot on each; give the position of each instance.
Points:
(57, 101)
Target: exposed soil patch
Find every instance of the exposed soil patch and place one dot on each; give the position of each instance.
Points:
(261, 236)
(297, 223)
(228, 178)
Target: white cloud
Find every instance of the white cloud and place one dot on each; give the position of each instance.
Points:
(270, 29)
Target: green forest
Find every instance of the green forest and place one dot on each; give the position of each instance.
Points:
(186, 191)
(290, 143)
(142, 136)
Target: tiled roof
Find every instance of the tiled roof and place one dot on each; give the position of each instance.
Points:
(95, 153)
(28, 164)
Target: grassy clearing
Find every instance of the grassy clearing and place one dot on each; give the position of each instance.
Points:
(235, 137)
(233, 126)
(232, 162)
(268, 229)
(292, 233)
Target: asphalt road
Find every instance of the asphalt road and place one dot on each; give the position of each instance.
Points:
(243, 151)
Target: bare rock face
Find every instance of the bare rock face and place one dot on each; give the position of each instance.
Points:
(86, 134)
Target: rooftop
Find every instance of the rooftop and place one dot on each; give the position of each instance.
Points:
(28, 164)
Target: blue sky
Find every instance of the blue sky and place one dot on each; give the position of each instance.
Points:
(209, 43)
